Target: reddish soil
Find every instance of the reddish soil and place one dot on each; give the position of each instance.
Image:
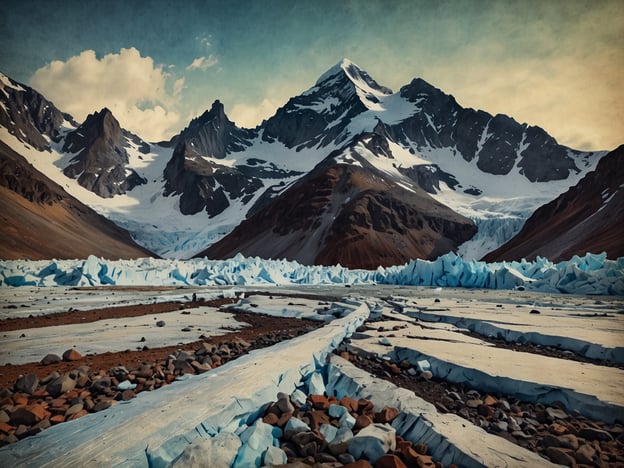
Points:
(260, 325)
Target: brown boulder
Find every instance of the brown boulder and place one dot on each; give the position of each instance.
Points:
(389, 461)
(585, 454)
(270, 418)
(386, 415)
(29, 415)
(359, 464)
(591, 433)
(362, 421)
(71, 355)
(61, 385)
(317, 418)
(350, 403)
(319, 401)
(559, 456)
(57, 418)
(50, 359)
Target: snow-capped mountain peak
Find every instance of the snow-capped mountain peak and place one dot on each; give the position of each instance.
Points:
(347, 78)
(181, 196)
(359, 77)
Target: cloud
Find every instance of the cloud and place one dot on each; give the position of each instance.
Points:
(203, 63)
(249, 115)
(131, 86)
(178, 86)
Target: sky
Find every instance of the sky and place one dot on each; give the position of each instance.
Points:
(157, 64)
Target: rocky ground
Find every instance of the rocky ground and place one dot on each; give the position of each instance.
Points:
(321, 430)
(36, 396)
(562, 436)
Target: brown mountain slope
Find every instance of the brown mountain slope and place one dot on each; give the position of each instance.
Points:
(348, 213)
(39, 220)
(589, 217)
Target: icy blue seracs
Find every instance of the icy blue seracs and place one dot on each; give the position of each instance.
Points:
(591, 274)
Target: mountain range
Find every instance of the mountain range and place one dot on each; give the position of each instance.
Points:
(346, 172)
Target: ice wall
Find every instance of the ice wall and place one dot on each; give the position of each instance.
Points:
(591, 274)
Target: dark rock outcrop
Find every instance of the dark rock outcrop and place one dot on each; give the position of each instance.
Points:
(497, 143)
(101, 163)
(28, 115)
(213, 134)
(204, 184)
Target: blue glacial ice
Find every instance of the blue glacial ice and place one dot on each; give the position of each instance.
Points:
(591, 274)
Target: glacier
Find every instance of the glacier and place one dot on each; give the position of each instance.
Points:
(590, 274)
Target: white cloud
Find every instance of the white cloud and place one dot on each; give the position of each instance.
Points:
(203, 63)
(131, 86)
(178, 86)
(249, 115)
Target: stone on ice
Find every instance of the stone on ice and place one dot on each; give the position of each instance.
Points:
(298, 397)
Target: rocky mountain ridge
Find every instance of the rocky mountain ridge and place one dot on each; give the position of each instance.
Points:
(39, 220)
(200, 185)
(101, 160)
(349, 212)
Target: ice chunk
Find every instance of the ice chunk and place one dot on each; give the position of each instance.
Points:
(294, 426)
(373, 441)
(259, 436)
(274, 456)
(218, 452)
(316, 386)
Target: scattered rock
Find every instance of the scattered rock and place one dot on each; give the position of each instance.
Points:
(591, 433)
(27, 384)
(28, 415)
(586, 454)
(386, 415)
(559, 456)
(71, 355)
(389, 461)
(373, 441)
(62, 384)
(50, 359)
